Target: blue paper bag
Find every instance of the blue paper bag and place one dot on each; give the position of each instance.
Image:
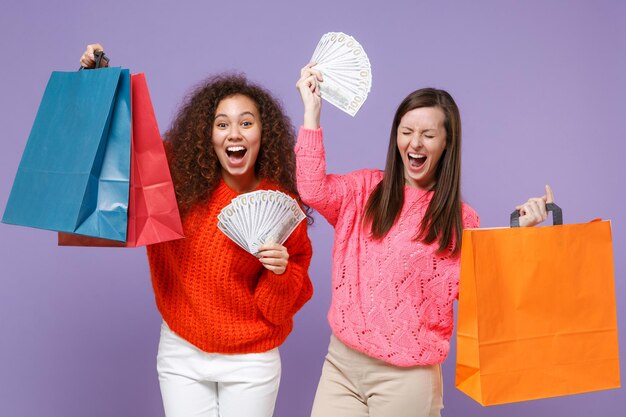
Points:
(74, 173)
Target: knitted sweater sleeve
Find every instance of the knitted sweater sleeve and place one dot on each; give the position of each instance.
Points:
(279, 297)
(325, 193)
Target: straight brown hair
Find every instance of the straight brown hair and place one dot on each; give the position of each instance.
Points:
(442, 221)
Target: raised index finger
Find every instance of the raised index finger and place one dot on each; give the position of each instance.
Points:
(549, 194)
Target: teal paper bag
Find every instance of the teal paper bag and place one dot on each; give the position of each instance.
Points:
(74, 173)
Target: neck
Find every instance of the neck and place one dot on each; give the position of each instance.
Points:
(241, 183)
(428, 186)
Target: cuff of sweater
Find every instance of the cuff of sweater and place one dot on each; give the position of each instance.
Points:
(277, 294)
(309, 138)
(286, 284)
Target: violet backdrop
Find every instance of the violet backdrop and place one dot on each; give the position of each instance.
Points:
(540, 85)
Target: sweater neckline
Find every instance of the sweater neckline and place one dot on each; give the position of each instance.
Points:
(227, 191)
(413, 193)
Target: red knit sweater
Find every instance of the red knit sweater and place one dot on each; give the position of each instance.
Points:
(219, 297)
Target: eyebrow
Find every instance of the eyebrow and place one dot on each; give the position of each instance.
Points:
(242, 114)
(422, 130)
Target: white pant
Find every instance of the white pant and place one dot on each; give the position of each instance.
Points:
(199, 384)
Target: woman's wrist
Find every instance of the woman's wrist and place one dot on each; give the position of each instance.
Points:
(311, 121)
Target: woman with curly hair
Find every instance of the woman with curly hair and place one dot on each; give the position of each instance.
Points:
(225, 312)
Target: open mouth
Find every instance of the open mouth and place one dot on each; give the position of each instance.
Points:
(235, 153)
(416, 160)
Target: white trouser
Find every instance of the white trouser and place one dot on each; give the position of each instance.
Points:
(199, 384)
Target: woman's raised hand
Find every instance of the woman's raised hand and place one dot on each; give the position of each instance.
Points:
(87, 60)
(308, 86)
(533, 211)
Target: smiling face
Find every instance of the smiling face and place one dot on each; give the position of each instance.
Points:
(236, 137)
(421, 140)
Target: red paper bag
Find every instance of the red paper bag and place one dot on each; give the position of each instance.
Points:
(153, 215)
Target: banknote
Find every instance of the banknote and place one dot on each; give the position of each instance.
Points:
(346, 70)
(259, 217)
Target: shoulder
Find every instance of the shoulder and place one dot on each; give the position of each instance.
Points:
(470, 217)
(367, 178)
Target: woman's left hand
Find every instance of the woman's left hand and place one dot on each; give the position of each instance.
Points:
(533, 211)
(274, 257)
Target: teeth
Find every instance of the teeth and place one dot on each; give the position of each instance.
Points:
(235, 148)
(416, 156)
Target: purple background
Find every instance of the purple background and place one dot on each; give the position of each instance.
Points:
(541, 86)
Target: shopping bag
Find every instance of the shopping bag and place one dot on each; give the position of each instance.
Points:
(74, 173)
(536, 315)
(153, 215)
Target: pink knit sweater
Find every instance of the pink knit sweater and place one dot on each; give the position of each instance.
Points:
(392, 298)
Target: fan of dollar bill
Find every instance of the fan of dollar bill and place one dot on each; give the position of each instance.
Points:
(346, 70)
(259, 217)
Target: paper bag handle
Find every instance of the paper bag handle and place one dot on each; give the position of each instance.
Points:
(557, 215)
(99, 56)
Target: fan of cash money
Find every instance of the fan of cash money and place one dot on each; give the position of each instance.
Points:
(346, 70)
(259, 217)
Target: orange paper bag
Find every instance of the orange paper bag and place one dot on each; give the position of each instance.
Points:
(153, 215)
(537, 314)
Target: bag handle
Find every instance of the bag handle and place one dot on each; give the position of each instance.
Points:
(99, 57)
(557, 215)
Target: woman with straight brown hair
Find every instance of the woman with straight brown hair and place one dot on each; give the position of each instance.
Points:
(443, 215)
(395, 272)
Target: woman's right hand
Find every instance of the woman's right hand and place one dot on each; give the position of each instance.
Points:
(87, 60)
(308, 86)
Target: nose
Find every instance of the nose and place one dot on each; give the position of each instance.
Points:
(234, 133)
(416, 141)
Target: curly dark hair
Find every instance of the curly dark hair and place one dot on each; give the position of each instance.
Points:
(195, 169)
